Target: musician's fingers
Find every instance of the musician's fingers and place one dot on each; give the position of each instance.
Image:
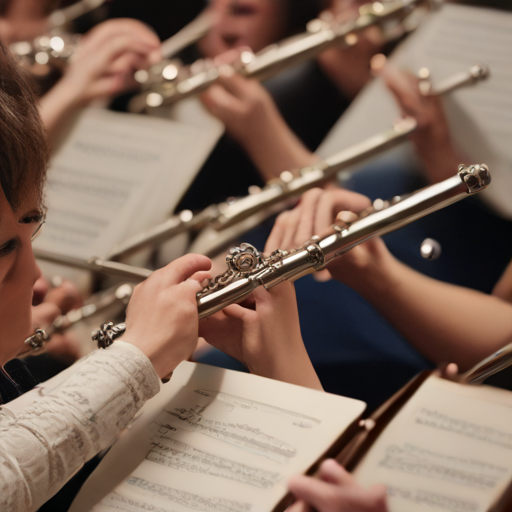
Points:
(219, 101)
(299, 506)
(276, 236)
(237, 85)
(330, 471)
(306, 224)
(322, 276)
(201, 277)
(66, 297)
(292, 223)
(336, 200)
(44, 314)
(236, 311)
(183, 268)
(102, 33)
(407, 96)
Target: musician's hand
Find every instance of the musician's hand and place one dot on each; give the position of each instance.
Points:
(348, 65)
(264, 334)
(314, 214)
(108, 57)
(50, 305)
(162, 318)
(253, 120)
(335, 491)
(431, 139)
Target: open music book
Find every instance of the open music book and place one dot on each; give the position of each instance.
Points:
(450, 40)
(219, 440)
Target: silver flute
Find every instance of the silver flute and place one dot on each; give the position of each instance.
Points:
(95, 264)
(290, 184)
(179, 83)
(248, 269)
(55, 48)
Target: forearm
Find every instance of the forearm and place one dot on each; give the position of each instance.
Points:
(274, 148)
(47, 442)
(292, 366)
(446, 323)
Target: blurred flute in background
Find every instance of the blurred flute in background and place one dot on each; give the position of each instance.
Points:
(263, 203)
(169, 82)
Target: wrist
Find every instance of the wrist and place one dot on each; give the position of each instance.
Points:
(162, 361)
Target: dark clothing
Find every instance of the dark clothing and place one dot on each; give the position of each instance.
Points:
(15, 379)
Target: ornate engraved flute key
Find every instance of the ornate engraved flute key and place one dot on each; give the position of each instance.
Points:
(321, 35)
(248, 269)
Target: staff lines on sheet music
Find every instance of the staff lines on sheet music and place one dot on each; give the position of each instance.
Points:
(118, 502)
(441, 421)
(241, 435)
(97, 222)
(432, 499)
(247, 404)
(187, 499)
(117, 153)
(62, 179)
(410, 462)
(183, 457)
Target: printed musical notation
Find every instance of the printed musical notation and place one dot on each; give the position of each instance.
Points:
(171, 497)
(219, 441)
(177, 455)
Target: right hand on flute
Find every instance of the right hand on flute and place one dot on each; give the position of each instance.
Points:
(432, 140)
(162, 318)
(48, 305)
(252, 119)
(264, 334)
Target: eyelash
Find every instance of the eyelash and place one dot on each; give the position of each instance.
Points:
(9, 247)
(32, 219)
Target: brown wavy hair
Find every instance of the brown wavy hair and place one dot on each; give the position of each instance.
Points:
(23, 141)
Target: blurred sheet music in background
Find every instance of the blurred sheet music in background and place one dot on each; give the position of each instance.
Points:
(117, 174)
(451, 40)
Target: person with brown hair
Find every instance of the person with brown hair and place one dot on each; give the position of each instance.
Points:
(45, 438)
(38, 446)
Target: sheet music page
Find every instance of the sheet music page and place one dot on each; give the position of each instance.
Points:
(115, 175)
(217, 440)
(449, 41)
(448, 449)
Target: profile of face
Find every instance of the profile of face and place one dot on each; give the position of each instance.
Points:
(18, 272)
(242, 23)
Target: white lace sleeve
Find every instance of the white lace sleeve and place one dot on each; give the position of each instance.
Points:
(43, 445)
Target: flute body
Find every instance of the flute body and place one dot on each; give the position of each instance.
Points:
(275, 58)
(247, 269)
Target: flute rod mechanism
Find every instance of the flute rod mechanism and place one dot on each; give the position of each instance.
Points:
(94, 264)
(493, 364)
(248, 269)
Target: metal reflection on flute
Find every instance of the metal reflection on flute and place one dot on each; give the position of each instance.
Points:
(247, 269)
(97, 303)
(280, 56)
(491, 365)
(94, 264)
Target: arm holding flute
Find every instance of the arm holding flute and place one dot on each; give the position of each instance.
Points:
(443, 321)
